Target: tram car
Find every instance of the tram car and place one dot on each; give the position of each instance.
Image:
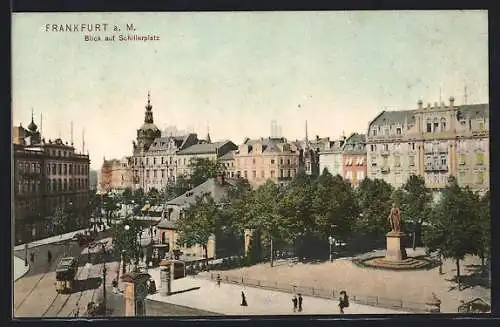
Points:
(65, 274)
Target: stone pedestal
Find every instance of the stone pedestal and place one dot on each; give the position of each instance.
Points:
(165, 278)
(395, 248)
(135, 293)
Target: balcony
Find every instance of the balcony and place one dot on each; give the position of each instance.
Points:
(436, 168)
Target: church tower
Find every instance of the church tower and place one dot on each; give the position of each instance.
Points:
(148, 131)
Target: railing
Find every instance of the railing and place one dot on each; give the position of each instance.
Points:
(376, 301)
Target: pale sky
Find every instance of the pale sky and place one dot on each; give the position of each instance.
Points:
(238, 71)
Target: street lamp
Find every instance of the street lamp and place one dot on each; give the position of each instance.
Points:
(331, 242)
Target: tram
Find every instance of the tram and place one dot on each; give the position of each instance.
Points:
(65, 274)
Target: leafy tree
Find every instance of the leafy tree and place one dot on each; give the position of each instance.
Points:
(451, 223)
(416, 203)
(375, 200)
(203, 169)
(138, 196)
(180, 187)
(483, 228)
(334, 206)
(199, 222)
(154, 196)
(127, 195)
(60, 220)
(264, 215)
(125, 241)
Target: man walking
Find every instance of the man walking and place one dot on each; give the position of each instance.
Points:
(300, 302)
(114, 283)
(343, 301)
(49, 257)
(218, 280)
(294, 301)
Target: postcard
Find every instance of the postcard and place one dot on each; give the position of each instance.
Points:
(250, 163)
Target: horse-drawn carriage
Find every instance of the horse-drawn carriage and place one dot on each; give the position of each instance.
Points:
(66, 271)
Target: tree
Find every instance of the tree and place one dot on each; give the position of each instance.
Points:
(60, 220)
(264, 215)
(138, 196)
(199, 223)
(127, 195)
(416, 203)
(334, 206)
(375, 200)
(203, 169)
(154, 196)
(483, 227)
(125, 241)
(180, 187)
(452, 224)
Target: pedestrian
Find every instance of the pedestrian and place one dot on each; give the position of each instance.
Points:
(218, 279)
(300, 302)
(114, 283)
(49, 256)
(343, 301)
(32, 257)
(294, 301)
(243, 300)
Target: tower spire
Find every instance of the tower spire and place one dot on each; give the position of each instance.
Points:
(307, 136)
(71, 132)
(32, 112)
(465, 94)
(208, 133)
(83, 140)
(148, 116)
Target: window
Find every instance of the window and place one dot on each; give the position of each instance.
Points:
(70, 168)
(360, 175)
(463, 159)
(481, 126)
(412, 146)
(429, 127)
(154, 173)
(262, 175)
(254, 174)
(65, 169)
(398, 131)
(374, 132)
(289, 173)
(272, 173)
(154, 161)
(58, 153)
(288, 161)
(253, 161)
(272, 161)
(436, 126)
(59, 169)
(54, 169)
(386, 147)
(480, 178)
(373, 147)
(397, 161)
(147, 173)
(480, 159)
(443, 124)
(281, 161)
(444, 161)
(170, 160)
(245, 174)
(374, 161)
(162, 173)
(184, 161)
(411, 161)
(397, 146)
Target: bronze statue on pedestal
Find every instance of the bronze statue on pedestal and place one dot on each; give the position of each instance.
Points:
(395, 218)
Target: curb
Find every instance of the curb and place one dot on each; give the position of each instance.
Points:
(24, 273)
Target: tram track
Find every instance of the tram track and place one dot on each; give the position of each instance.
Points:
(49, 270)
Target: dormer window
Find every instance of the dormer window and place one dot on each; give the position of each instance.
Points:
(398, 131)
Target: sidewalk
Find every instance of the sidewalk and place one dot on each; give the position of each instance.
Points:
(53, 239)
(19, 268)
(207, 296)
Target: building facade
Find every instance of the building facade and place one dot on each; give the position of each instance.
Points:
(228, 162)
(47, 176)
(205, 150)
(354, 159)
(431, 141)
(330, 158)
(266, 159)
(116, 174)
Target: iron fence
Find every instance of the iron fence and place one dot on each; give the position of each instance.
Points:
(375, 301)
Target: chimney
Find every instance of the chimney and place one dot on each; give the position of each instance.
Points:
(420, 104)
(452, 102)
(317, 137)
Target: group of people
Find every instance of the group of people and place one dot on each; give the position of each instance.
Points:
(343, 302)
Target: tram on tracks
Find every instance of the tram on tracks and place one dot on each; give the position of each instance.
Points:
(66, 271)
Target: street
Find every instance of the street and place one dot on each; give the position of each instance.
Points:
(35, 294)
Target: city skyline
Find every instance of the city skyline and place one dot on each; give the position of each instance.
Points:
(342, 68)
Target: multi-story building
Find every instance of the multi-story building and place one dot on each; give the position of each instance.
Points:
(46, 176)
(228, 161)
(116, 174)
(93, 180)
(262, 159)
(330, 158)
(153, 163)
(212, 151)
(354, 159)
(432, 141)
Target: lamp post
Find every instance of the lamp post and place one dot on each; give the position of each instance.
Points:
(331, 241)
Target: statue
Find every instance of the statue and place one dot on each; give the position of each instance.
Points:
(395, 218)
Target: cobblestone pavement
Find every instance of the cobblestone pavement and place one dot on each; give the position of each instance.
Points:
(344, 274)
(34, 295)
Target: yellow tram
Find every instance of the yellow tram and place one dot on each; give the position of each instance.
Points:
(65, 274)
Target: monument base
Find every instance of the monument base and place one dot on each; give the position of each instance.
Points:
(395, 249)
